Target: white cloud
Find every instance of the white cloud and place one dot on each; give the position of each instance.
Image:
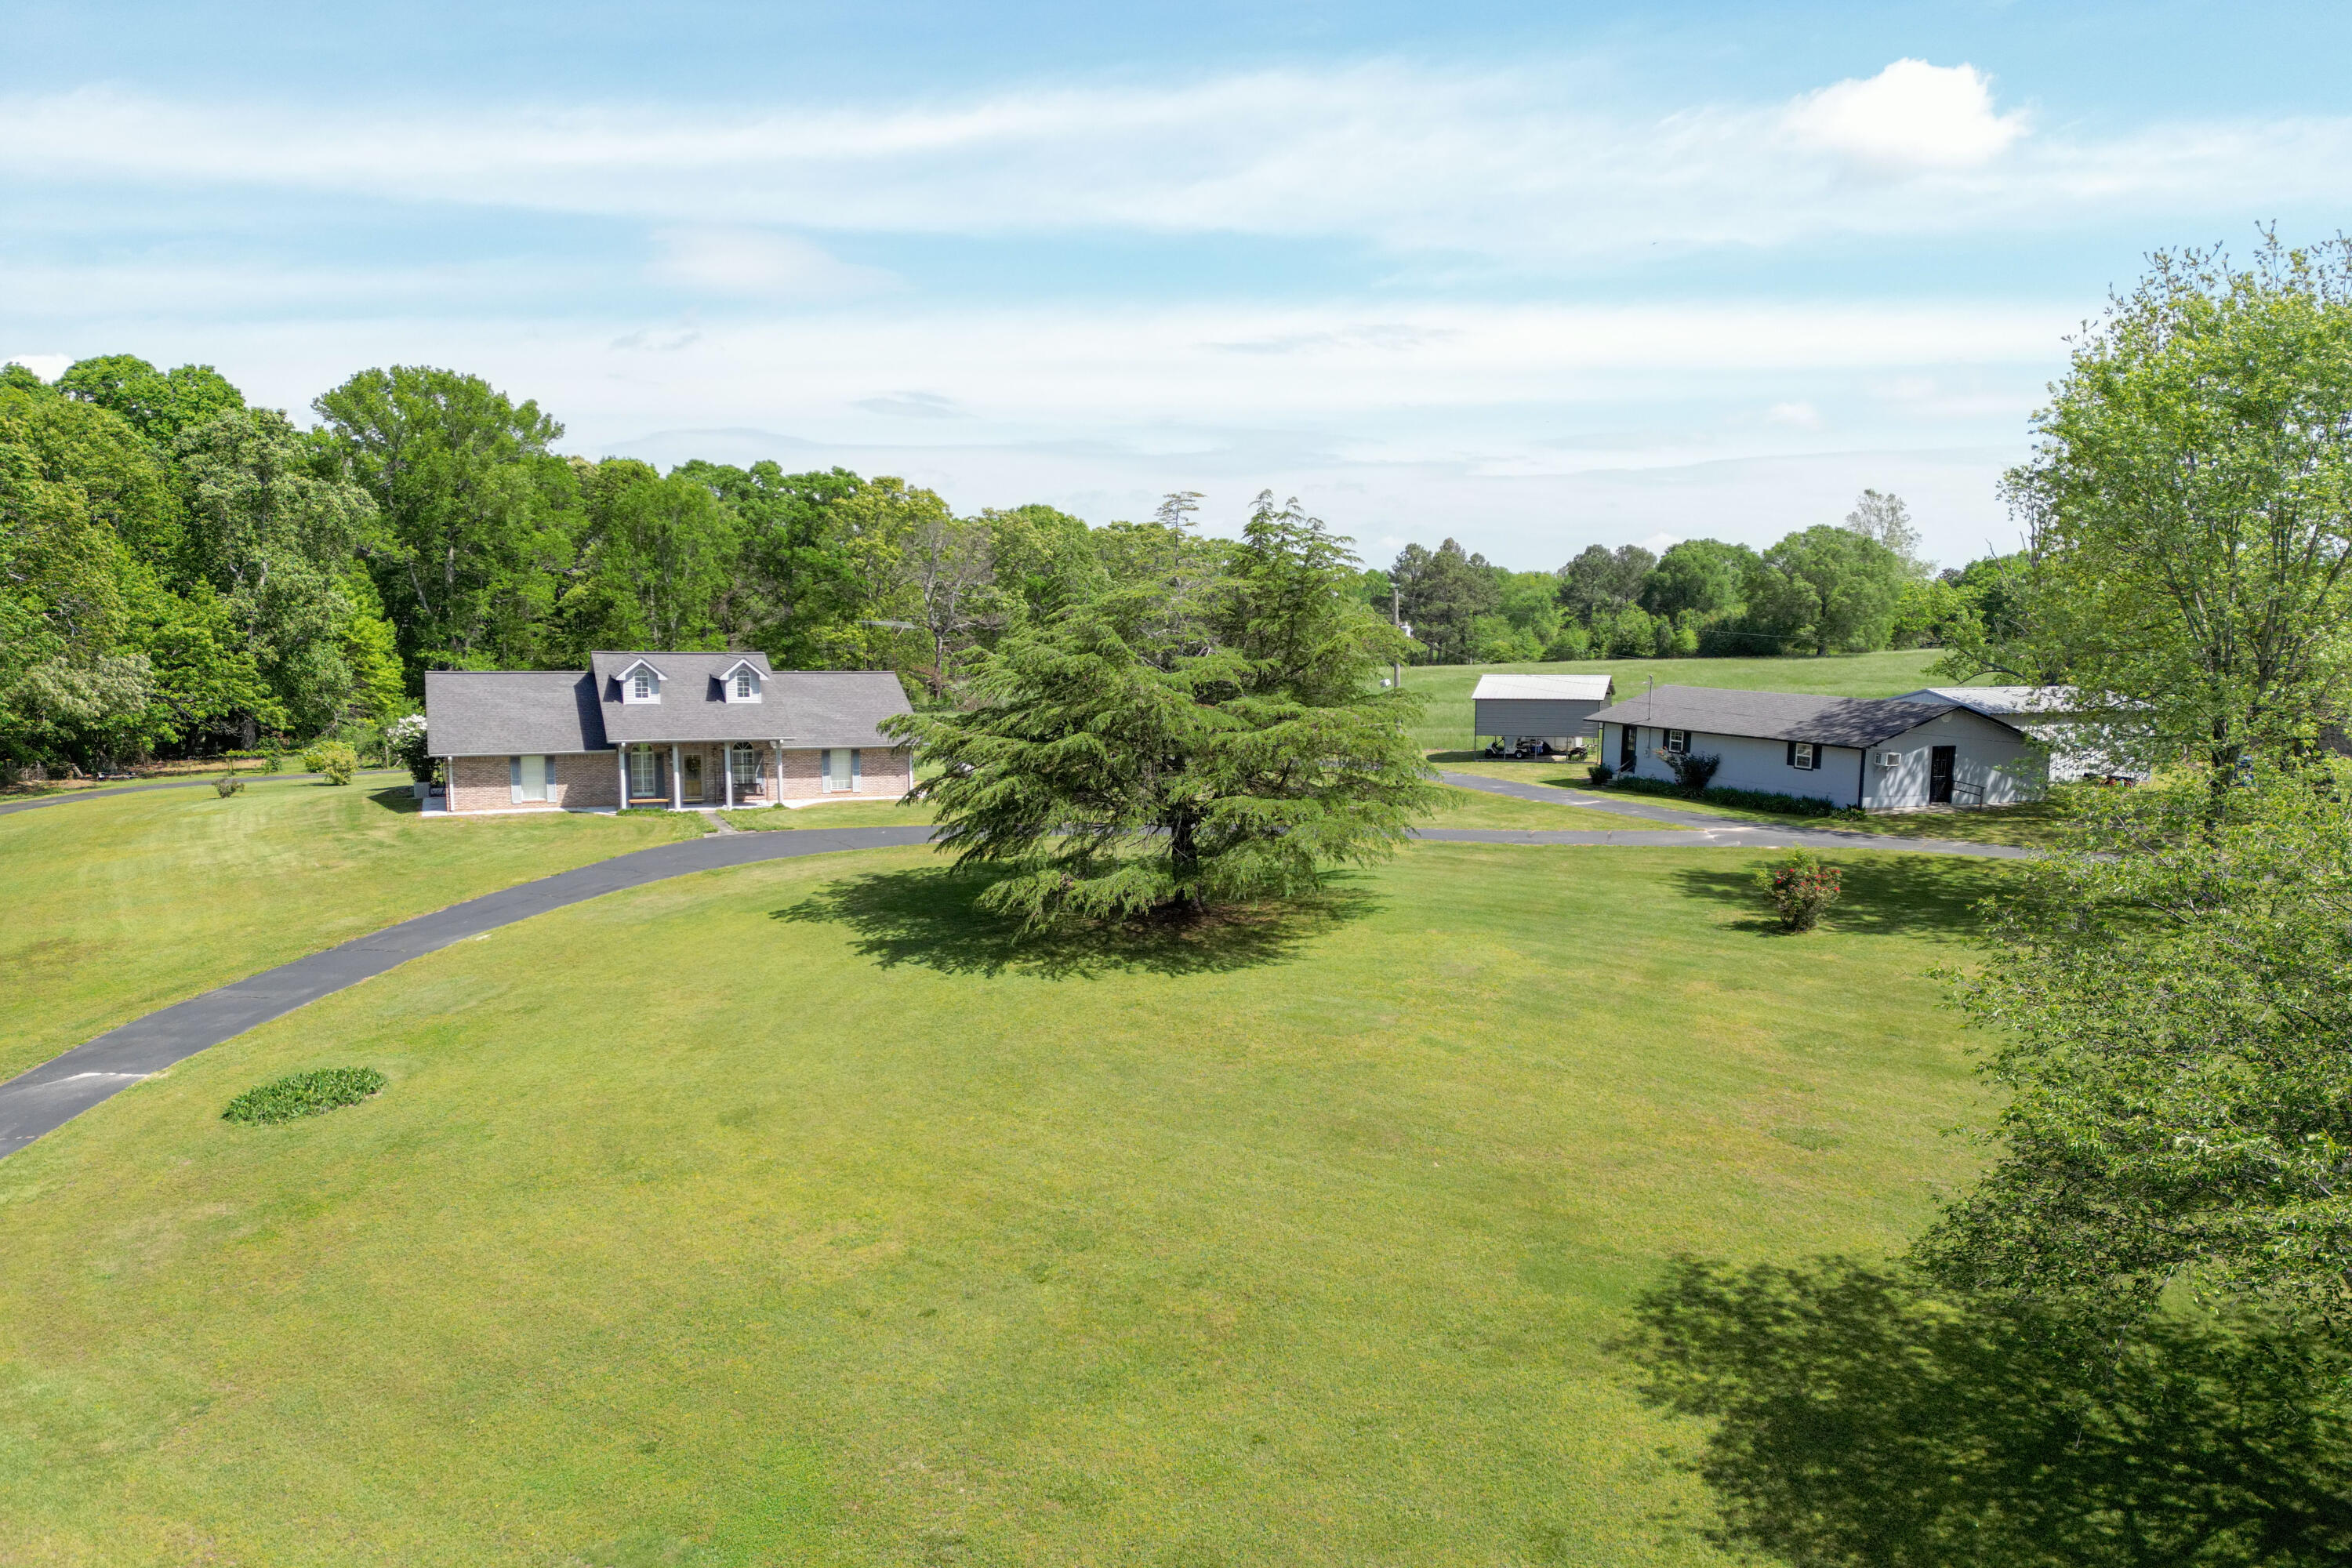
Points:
(1797, 415)
(48, 367)
(753, 265)
(1418, 160)
(1911, 116)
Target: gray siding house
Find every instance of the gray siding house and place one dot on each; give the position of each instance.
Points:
(2080, 746)
(1881, 754)
(1555, 708)
(680, 731)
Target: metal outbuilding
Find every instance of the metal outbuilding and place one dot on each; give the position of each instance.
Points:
(1554, 708)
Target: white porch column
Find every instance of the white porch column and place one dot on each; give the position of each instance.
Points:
(621, 754)
(778, 798)
(677, 785)
(728, 763)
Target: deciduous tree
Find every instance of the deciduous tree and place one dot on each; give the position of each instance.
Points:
(2190, 505)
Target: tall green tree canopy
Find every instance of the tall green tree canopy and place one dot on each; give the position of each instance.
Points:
(277, 540)
(477, 514)
(2189, 506)
(2173, 1009)
(1446, 590)
(157, 404)
(1827, 586)
(1182, 741)
(1701, 577)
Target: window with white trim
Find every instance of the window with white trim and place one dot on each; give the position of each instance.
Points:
(840, 768)
(745, 761)
(743, 683)
(645, 774)
(1804, 754)
(1677, 742)
(642, 687)
(529, 777)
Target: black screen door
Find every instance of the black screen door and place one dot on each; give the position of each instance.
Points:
(1939, 775)
(1626, 744)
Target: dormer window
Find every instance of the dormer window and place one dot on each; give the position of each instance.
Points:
(740, 682)
(641, 682)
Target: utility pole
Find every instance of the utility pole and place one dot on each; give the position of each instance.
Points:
(1396, 668)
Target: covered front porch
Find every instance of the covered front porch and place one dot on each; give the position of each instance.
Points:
(722, 776)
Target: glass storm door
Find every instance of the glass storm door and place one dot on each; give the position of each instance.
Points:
(692, 776)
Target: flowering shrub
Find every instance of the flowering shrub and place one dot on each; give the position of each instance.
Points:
(1800, 888)
(404, 742)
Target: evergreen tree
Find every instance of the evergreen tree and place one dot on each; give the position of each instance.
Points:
(1182, 741)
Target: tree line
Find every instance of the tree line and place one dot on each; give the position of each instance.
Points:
(1832, 588)
(180, 571)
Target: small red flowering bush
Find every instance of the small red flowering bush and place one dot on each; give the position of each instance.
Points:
(1800, 888)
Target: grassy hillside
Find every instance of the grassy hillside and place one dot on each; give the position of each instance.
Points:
(791, 1215)
(122, 905)
(1445, 724)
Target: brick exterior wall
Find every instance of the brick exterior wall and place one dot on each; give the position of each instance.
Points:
(584, 781)
(887, 775)
(590, 780)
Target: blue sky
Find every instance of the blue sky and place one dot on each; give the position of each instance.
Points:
(1535, 276)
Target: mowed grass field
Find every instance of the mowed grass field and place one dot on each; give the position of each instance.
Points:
(793, 1215)
(1445, 724)
(120, 905)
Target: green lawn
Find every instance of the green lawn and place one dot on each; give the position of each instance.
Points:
(2042, 825)
(1470, 808)
(120, 905)
(1446, 722)
(849, 813)
(791, 1215)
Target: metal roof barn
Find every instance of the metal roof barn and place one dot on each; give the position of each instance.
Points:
(1537, 707)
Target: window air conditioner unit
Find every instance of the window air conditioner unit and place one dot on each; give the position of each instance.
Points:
(1890, 759)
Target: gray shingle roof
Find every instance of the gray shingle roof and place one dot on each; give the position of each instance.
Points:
(504, 712)
(797, 707)
(501, 712)
(841, 707)
(1774, 715)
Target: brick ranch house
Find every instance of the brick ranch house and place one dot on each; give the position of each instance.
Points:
(681, 730)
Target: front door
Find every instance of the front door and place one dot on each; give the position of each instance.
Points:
(1939, 775)
(1628, 745)
(691, 776)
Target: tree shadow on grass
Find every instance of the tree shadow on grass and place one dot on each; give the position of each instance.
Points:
(1893, 895)
(930, 917)
(1860, 1416)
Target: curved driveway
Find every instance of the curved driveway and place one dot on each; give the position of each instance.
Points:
(64, 1087)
